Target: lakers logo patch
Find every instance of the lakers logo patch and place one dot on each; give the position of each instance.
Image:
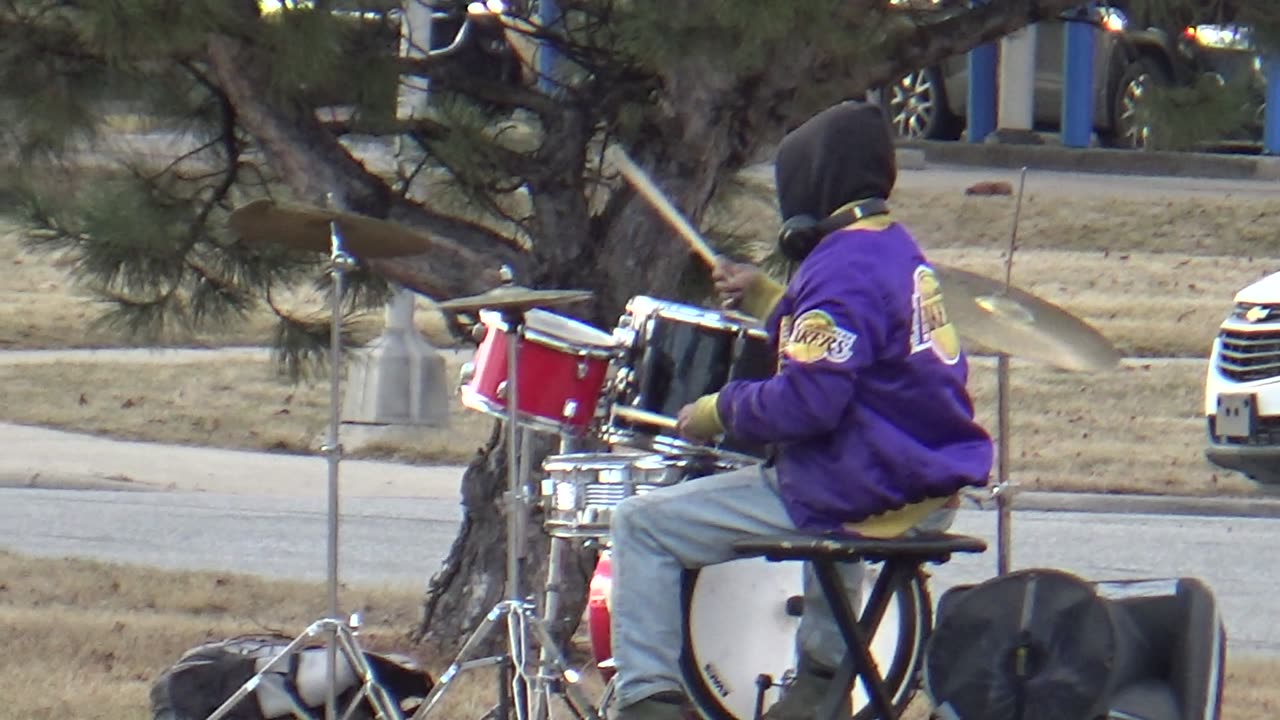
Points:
(930, 328)
(815, 336)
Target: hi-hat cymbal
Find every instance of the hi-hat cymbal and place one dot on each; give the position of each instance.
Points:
(1017, 323)
(307, 228)
(507, 297)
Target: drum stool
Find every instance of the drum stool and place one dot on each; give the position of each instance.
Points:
(902, 558)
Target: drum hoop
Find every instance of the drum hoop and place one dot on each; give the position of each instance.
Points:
(471, 399)
(644, 461)
(594, 461)
(606, 347)
(728, 321)
(673, 445)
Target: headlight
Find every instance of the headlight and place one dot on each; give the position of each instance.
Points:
(1226, 37)
(1112, 20)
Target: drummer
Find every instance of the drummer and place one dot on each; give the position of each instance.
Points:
(872, 428)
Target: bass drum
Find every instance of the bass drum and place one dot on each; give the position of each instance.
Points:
(740, 621)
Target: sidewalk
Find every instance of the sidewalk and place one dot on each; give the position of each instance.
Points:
(43, 458)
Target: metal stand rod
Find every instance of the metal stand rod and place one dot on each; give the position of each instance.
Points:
(546, 683)
(520, 614)
(339, 262)
(550, 613)
(515, 520)
(1004, 492)
(339, 636)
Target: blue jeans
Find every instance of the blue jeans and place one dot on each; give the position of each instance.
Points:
(657, 535)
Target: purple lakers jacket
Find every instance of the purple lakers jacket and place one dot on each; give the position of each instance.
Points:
(868, 410)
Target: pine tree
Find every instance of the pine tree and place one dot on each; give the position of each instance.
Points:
(510, 160)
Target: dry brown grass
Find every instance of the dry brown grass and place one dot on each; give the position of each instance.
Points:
(86, 640)
(1138, 428)
(242, 405)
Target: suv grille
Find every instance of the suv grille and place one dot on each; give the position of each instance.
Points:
(1248, 356)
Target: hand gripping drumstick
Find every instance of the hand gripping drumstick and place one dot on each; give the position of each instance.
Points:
(645, 186)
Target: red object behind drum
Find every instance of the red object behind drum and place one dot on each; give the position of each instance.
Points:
(598, 618)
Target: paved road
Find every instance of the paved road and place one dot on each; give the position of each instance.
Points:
(397, 541)
(1076, 184)
(402, 541)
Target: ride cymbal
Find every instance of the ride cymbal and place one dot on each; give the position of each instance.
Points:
(307, 228)
(1019, 324)
(512, 297)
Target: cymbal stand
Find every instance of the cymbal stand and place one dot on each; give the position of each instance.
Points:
(519, 612)
(339, 633)
(548, 683)
(1003, 491)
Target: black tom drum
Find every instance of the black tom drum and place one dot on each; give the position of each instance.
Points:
(674, 355)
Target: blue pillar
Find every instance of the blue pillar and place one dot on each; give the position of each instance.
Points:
(983, 81)
(1077, 83)
(548, 16)
(1271, 133)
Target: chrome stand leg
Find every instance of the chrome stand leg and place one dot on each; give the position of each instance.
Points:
(1003, 490)
(337, 633)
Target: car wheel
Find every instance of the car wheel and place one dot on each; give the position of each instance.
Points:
(917, 106)
(1127, 127)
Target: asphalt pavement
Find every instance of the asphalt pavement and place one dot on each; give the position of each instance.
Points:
(402, 541)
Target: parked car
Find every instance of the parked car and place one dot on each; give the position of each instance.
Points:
(1129, 57)
(1242, 388)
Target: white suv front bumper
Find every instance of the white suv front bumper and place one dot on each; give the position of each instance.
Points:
(1242, 399)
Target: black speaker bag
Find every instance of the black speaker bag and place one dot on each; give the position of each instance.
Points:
(1032, 645)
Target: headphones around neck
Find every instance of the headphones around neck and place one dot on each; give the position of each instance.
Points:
(801, 234)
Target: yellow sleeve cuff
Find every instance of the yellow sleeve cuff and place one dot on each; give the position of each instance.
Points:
(760, 296)
(705, 420)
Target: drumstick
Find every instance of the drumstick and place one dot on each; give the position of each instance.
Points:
(646, 187)
(638, 415)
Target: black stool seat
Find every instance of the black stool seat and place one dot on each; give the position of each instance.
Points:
(799, 546)
(902, 558)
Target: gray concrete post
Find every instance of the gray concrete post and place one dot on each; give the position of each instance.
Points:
(400, 380)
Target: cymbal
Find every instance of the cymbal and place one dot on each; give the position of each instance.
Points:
(302, 227)
(1017, 323)
(507, 297)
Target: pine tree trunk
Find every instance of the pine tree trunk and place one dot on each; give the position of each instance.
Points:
(633, 252)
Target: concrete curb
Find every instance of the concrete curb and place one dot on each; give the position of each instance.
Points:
(71, 481)
(1242, 507)
(1097, 160)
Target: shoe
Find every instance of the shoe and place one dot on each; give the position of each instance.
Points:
(802, 699)
(660, 706)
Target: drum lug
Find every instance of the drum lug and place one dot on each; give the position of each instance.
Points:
(466, 373)
(570, 409)
(795, 606)
(622, 383)
(501, 390)
(583, 368)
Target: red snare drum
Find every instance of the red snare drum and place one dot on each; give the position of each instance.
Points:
(562, 370)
